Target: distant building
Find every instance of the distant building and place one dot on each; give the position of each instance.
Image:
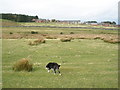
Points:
(60, 21)
(41, 20)
(94, 24)
(70, 21)
(91, 23)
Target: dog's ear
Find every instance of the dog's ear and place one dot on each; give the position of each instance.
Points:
(58, 65)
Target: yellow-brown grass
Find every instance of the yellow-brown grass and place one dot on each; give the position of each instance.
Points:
(50, 37)
(22, 65)
(111, 40)
(36, 42)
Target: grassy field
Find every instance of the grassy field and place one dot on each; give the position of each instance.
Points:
(85, 63)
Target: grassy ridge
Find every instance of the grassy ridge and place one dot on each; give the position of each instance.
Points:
(84, 64)
(9, 23)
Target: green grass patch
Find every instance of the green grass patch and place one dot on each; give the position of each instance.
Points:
(44, 30)
(84, 64)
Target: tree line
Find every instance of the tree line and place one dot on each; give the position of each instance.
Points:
(18, 17)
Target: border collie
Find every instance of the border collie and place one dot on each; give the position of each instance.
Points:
(54, 66)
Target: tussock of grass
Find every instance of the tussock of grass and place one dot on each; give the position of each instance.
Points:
(81, 37)
(113, 41)
(36, 42)
(97, 37)
(11, 33)
(61, 32)
(34, 32)
(22, 65)
(50, 37)
(71, 32)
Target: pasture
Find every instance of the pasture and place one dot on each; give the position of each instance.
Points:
(85, 62)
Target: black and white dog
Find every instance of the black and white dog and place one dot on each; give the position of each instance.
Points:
(53, 66)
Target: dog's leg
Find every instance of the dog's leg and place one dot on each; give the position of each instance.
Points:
(54, 71)
(48, 70)
(59, 72)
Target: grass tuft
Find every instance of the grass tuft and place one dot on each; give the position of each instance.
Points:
(36, 42)
(113, 41)
(23, 65)
(34, 32)
(51, 37)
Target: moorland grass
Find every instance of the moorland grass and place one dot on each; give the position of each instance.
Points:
(84, 64)
(44, 30)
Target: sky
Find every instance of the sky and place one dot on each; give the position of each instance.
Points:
(84, 10)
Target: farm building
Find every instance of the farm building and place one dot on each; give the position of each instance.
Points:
(70, 21)
(41, 20)
(91, 23)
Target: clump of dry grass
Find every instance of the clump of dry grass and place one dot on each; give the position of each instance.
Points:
(36, 42)
(66, 39)
(81, 38)
(39, 41)
(61, 32)
(50, 37)
(44, 35)
(71, 32)
(23, 65)
(97, 37)
(113, 41)
(11, 33)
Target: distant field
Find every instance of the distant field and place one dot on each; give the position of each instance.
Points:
(64, 25)
(90, 60)
(57, 24)
(84, 64)
(44, 30)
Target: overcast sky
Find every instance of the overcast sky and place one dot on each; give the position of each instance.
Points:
(83, 10)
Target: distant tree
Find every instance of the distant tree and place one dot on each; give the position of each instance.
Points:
(36, 17)
(53, 20)
(91, 21)
(18, 17)
(114, 22)
(109, 22)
